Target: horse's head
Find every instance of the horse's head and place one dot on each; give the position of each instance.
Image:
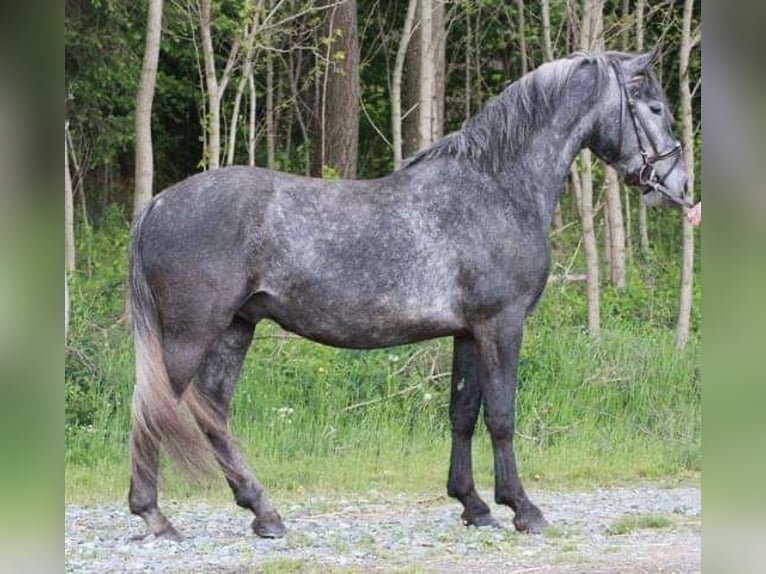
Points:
(635, 133)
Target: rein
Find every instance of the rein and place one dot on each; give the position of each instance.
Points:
(647, 175)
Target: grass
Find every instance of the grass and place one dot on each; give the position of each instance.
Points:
(628, 524)
(313, 419)
(627, 409)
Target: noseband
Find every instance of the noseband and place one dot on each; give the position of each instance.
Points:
(647, 176)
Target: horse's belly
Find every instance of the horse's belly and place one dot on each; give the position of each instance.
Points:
(363, 323)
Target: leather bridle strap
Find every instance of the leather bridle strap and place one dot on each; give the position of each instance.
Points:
(647, 175)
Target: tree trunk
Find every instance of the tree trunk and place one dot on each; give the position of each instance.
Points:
(396, 83)
(66, 308)
(215, 86)
(144, 168)
(423, 115)
(439, 45)
(246, 71)
(69, 246)
(590, 245)
(271, 140)
(547, 44)
(643, 228)
(339, 107)
(468, 46)
(616, 229)
(522, 38)
(251, 121)
(687, 122)
(590, 30)
(211, 83)
(426, 83)
(294, 77)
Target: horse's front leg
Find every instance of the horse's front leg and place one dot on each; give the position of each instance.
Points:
(499, 342)
(465, 402)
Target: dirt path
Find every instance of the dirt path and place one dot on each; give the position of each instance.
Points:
(377, 534)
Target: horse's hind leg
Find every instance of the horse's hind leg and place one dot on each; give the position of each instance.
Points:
(216, 380)
(465, 402)
(182, 357)
(142, 498)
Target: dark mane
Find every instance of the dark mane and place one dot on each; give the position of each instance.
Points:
(494, 135)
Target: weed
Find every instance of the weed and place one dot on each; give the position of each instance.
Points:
(628, 524)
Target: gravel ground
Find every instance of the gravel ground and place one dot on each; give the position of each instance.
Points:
(383, 534)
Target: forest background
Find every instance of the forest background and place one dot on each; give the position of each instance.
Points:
(610, 380)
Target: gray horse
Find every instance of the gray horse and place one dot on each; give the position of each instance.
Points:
(453, 244)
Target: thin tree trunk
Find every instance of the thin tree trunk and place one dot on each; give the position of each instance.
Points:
(215, 87)
(294, 77)
(590, 246)
(271, 141)
(234, 120)
(211, 84)
(439, 49)
(425, 100)
(589, 33)
(66, 308)
(396, 83)
(246, 70)
(468, 46)
(78, 187)
(616, 229)
(69, 246)
(643, 228)
(625, 46)
(522, 38)
(687, 122)
(547, 44)
(144, 168)
(251, 121)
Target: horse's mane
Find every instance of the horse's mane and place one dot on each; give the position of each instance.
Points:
(494, 135)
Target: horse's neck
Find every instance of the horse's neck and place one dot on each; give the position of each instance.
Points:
(545, 164)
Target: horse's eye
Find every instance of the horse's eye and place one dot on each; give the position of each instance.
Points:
(656, 108)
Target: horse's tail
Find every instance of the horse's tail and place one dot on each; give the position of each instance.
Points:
(163, 414)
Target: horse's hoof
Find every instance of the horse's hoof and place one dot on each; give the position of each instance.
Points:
(481, 521)
(532, 522)
(269, 527)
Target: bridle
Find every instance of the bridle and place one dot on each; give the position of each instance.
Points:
(647, 176)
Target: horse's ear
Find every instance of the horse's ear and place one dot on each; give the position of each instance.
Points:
(639, 64)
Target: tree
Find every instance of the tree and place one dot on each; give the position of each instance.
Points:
(424, 83)
(338, 129)
(214, 86)
(396, 83)
(689, 40)
(69, 246)
(590, 31)
(144, 158)
(643, 229)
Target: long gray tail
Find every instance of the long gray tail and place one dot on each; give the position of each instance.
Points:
(163, 415)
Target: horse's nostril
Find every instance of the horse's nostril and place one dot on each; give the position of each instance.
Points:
(686, 186)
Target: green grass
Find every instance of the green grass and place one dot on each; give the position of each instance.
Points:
(312, 418)
(628, 524)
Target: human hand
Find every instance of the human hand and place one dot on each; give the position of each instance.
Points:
(694, 215)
